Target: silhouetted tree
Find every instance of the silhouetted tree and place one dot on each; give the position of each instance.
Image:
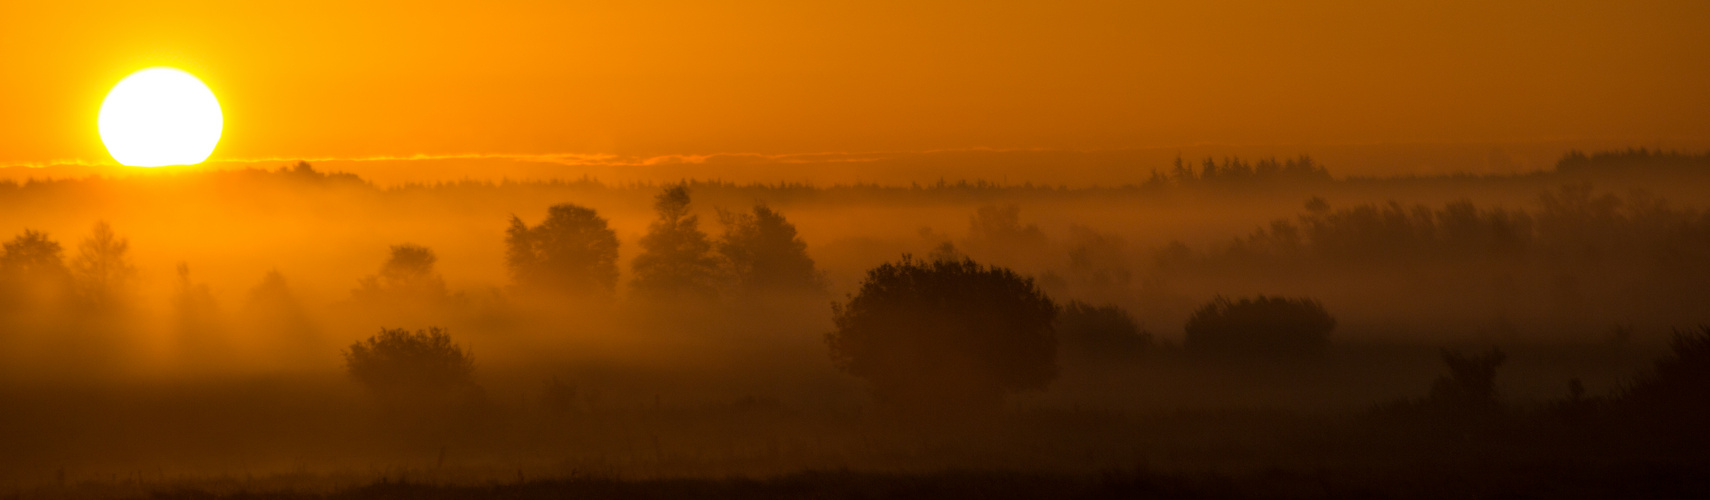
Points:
(945, 335)
(102, 269)
(946, 251)
(1263, 326)
(1235, 171)
(273, 293)
(1317, 205)
(33, 256)
(406, 277)
(765, 254)
(571, 252)
(1002, 224)
(399, 365)
(1098, 263)
(303, 172)
(33, 268)
(676, 257)
(1687, 367)
(1103, 334)
(996, 232)
(198, 319)
(1303, 168)
(1180, 171)
(559, 398)
(1674, 398)
(1471, 382)
(276, 313)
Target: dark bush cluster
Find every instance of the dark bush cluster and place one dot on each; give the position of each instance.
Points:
(1676, 394)
(571, 252)
(946, 334)
(1100, 334)
(1471, 382)
(1270, 327)
(399, 364)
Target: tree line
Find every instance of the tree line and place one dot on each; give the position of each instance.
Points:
(34, 272)
(942, 339)
(1572, 224)
(573, 253)
(1233, 171)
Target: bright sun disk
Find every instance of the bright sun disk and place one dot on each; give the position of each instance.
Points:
(160, 116)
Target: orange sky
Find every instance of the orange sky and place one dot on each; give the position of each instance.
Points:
(347, 79)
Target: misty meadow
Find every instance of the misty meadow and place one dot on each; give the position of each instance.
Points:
(941, 249)
(1218, 327)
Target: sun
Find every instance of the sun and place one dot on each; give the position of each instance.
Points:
(160, 116)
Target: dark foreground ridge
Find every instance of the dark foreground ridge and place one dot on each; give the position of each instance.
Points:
(818, 484)
(1560, 480)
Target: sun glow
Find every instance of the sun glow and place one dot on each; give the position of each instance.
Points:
(160, 116)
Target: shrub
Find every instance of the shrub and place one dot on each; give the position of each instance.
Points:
(676, 259)
(946, 335)
(571, 252)
(1103, 334)
(397, 364)
(1263, 326)
(1471, 382)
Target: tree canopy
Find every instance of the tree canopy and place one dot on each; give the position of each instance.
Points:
(102, 268)
(1100, 334)
(946, 334)
(765, 254)
(398, 363)
(1262, 326)
(408, 276)
(32, 255)
(1471, 382)
(571, 252)
(996, 234)
(676, 257)
(32, 268)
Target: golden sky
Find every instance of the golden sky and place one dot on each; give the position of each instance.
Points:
(351, 79)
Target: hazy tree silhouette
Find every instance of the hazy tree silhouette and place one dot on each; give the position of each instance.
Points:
(945, 335)
(1390, 232)
(33, 267)
(102, 269)
(1263, 326)
(198, 319)
(946, 251)
(571, 252)
(559, 398)
(1674, 398)
(274, 293)
(1686, 369)
(997, 232)
(1471, 382)
(407, 276)
(398, 365)
(274, 311)
(1234, 171)
(1097, 263)
(676, 258)
(765, 254)
(1632, 160)
(1002, 224)
(303, 172)
(1102, 334)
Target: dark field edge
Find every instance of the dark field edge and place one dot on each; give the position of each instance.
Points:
(1520, 482)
